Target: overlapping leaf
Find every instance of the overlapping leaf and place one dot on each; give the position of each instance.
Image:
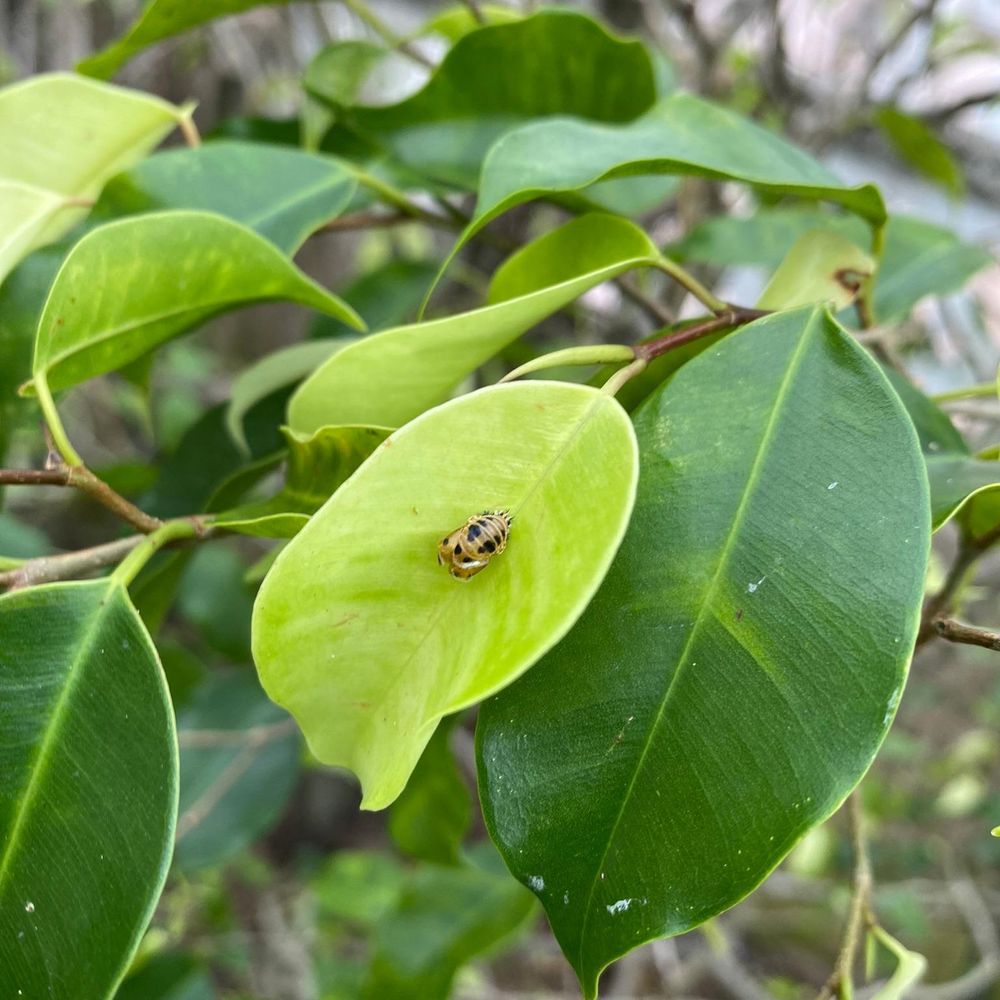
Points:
(736, 672)
(369, 642)
(89, 796)
(62, 138)
(169, 271)
(391, 377)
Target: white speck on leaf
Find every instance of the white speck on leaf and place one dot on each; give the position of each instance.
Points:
(536, 882)
(565, 899)
(752, 587)
(619, 907)
(833, 485)
(29, 907)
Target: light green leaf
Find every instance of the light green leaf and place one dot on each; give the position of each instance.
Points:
(919, 147)
(431, 817)
(239, 766)
(317, 465)
(919, 258)
(456, 22)
(556, 62)
(169, 270)
(444, 918)
(682, 134)
(62, 137)
(369, 642)
(821, 267)
(391, 377)
(740, 665)
(161, 19)
(958, 482)
(283, 194)
(271, 373)
(89, 800)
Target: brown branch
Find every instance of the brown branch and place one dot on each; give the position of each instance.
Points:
(81, 478)
(943, 601)
(971, 635)
(68, 565)
(734, 316)
(859, 915)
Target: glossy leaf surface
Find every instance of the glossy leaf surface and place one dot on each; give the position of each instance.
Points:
(391, 377)
(171, 270)
(282, 194)
(736, 672)
(682, 134)
(557, 62)
(89, 796)
(62, 137)
(368, 641)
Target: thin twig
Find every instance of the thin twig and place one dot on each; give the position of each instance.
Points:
(377, 220)
(659, 312)
(81, 478)
(255, 736)
(971, 635)
(734, 316)
(943, 601)
(892, 42)
(475, 10)
(369, 17)
(68, 565)
(860, 912)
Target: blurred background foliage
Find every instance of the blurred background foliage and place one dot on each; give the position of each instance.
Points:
(281, 888)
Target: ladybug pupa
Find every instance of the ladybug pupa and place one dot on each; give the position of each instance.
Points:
(469, 549)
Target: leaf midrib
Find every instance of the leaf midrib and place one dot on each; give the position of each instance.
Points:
(51, 733)
(763, 452)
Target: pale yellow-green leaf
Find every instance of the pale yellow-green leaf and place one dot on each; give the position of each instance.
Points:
(821, 266)
(61, 137)
(391, 377)
(368, 641)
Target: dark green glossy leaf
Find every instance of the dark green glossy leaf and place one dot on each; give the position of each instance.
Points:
(444, 918)
(557, 62)
(682, 134)
(171, 271)
(431, 818)
(735, 674)
(239, 765)
(161, 19)
(89, 796)
(282, 194)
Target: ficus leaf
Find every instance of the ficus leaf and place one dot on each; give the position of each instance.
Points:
(62, 138)
(170, 270)
(390, 377)
(368, 641)
(89, 798)
(736, 672)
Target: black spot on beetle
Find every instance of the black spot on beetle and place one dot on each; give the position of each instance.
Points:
(475, 531)
(467, 559)
(489, 546)
(458, 549)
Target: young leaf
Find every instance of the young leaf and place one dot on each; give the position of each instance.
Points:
(283, 194)
(89, 799)
(556, 62)
(736, 672)
(369, 642)
(274, 371)
(391, 377)
(317, 465)
(161, 19)
(820, 267)
(682, 134)
(169, 270)
(239, 765)
(919, 258)
(62, 137)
